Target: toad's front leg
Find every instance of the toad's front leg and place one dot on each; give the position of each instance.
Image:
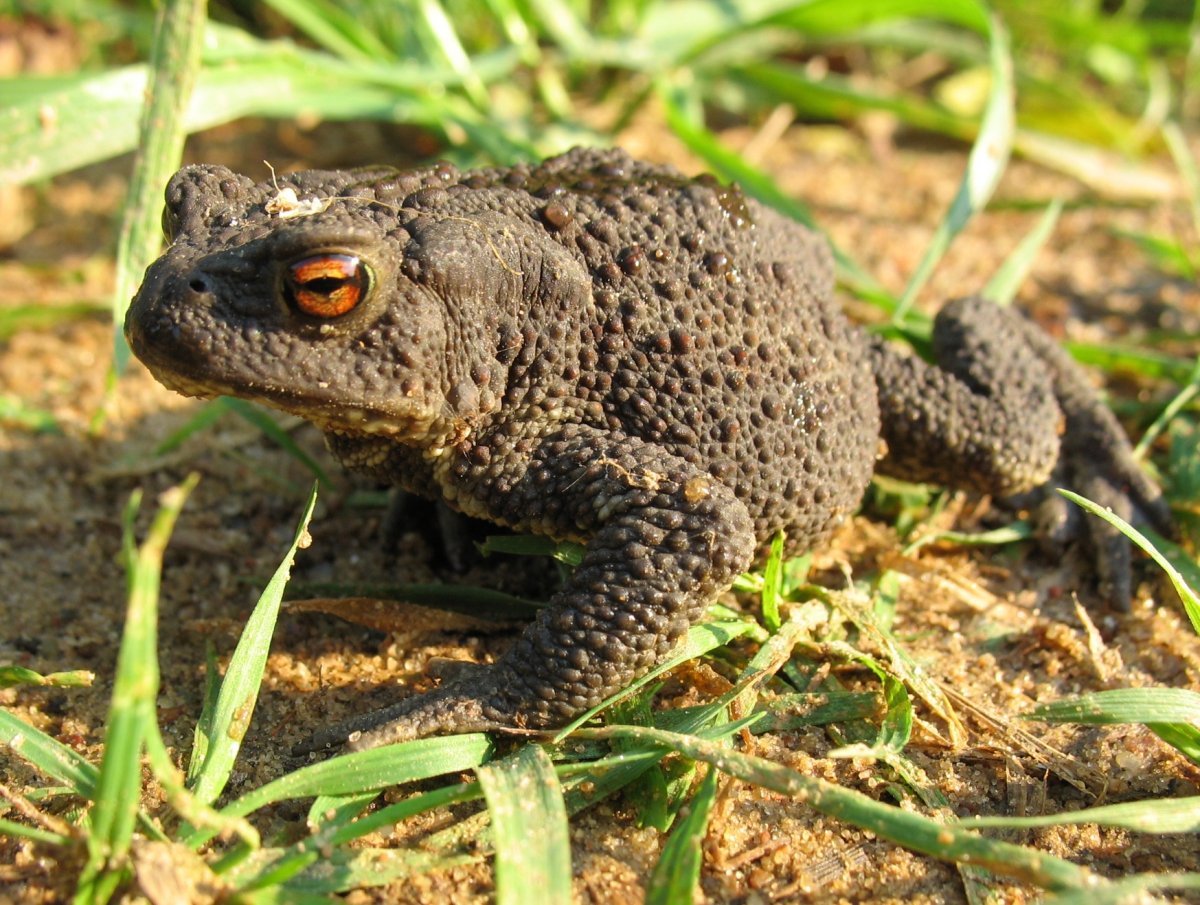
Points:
(663, 539)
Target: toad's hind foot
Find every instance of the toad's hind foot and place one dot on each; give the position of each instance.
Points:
(1006, 411)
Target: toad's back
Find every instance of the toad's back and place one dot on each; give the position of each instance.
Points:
(701, 322)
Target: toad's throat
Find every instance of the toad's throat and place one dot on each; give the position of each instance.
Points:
(405, 422)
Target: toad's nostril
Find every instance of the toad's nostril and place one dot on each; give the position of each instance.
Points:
(198, 285)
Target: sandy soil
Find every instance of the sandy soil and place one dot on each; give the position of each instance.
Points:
(999, 627)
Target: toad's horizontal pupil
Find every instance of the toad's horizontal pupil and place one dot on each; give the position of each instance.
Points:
(324, 285)
(333, 267)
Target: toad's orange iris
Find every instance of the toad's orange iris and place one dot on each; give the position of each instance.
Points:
(327, 285)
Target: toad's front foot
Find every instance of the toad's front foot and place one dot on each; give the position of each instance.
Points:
(665, 539)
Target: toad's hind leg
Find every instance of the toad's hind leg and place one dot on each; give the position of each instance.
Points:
(989, 415)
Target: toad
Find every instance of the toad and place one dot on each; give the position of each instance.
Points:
(605, 351)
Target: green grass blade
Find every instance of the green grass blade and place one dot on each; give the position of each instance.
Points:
(15, 318)
(265, 423)
(438, 25)
(830, 17)
(174, 62)
(676, 33)
(566, 552)
(1173, 714)
(95, 115)
(281, 895)
(362, 771)
(18, 675)
(1005, 534)
(183, 802)
(529, 828)
(335, 28)
(677, 873)
(769, 659)
(17, 413)
(1002, 287)
(1185, 395)
(913, 676)
(700, 640)
(50, 756)
(843, 98)
(258, 871)
(792, 711)
(911, 830)
(895, 730)
(1135, 889)
(1146, 362)
(33, 834)
(680, 109)
(206, 414)
(468, 600)
(220, 739)
(771, 656)
(208, 707)
(337, 810)
(773, 584)
(1182, 154)
(135, 688)
(1191, 602)
(1163, 815)
(1124, 705)
(985, 164)
(1185, 737)
(344, 869)
(1166, 253)
(561, 25)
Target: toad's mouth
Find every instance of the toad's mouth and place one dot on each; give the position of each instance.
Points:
(193, 359)
(406, 422)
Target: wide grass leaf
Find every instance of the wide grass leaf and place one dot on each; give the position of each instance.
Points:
(529, 829)
(96, 114)
(1124, 705)
(220, 730)
(50, 756)
(376, 769)
(1173, 714)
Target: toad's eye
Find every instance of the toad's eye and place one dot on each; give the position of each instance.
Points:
(326, 285)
